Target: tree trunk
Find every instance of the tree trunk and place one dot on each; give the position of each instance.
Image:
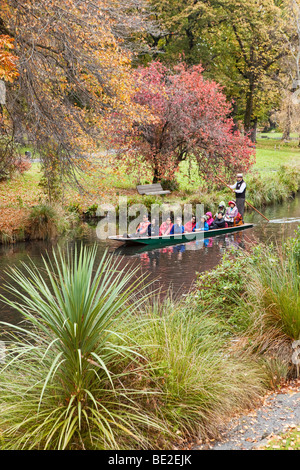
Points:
(288, 122)
(2, 129)
(234, 114)
(155, 175)
(250, 123)
(253, 130)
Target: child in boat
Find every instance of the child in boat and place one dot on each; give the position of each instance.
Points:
(219, 222)
(190, 225)
(153, 229)
(177, 227)
(221, 208)
(238, 220)
(165, 227)
(202, 225)
(210, 218)
(231, 213)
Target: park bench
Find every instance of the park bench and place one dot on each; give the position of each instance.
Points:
(151, 189)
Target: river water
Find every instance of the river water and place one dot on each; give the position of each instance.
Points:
(174, 267)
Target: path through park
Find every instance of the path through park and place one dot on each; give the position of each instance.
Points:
(279, 412)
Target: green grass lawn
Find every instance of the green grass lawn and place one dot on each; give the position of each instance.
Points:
(271, 153)
(107, 184)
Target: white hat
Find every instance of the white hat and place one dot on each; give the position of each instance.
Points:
(239, 175)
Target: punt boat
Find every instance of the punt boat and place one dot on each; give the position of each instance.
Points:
(165, 240)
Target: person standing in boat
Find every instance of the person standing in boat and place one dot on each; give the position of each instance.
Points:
(240, 193)
(177, 227)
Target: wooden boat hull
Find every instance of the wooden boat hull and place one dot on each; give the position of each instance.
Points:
(166, 240)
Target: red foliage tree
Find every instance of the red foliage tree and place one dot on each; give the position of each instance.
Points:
(190, 117)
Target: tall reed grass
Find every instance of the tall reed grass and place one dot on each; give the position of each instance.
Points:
(200, 382)
(47, 221)
(270, 308)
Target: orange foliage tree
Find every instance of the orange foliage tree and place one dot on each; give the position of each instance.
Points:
(8, 73)
(74, 66)
(8, 61)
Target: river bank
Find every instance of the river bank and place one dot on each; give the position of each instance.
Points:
(24, 207)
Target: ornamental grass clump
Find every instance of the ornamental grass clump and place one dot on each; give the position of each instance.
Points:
(69, 378)
(272, 306)
(202, 384)
(274, 288)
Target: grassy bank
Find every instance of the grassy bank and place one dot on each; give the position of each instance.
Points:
(274, 178)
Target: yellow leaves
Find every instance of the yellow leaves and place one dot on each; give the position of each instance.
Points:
(8, 61)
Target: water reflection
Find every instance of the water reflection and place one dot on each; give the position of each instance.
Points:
(176, 266)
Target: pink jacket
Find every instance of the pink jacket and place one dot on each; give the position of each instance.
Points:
(143, 228)
(210, 218)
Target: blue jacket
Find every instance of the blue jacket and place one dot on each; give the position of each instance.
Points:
(204, 227)
(177, 229)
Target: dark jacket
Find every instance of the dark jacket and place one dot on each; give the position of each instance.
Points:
(218, 223)
(153, 230)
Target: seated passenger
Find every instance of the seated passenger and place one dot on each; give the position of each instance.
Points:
(153, 229)
(231, 213)
(221, 208)
(165, 227)
(219, 222)
(202, 225)
(210, 218)
(177, 227)
(238, 220)
(142, 230)
(190, 225)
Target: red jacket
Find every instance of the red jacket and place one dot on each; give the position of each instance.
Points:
(165, 229)
(189, 226)
(143, 228)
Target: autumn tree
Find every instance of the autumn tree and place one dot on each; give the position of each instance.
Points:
(8, 60)
(239, 44)
(74, 65)
(288, 116)
(8, 73)
(190, 118)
